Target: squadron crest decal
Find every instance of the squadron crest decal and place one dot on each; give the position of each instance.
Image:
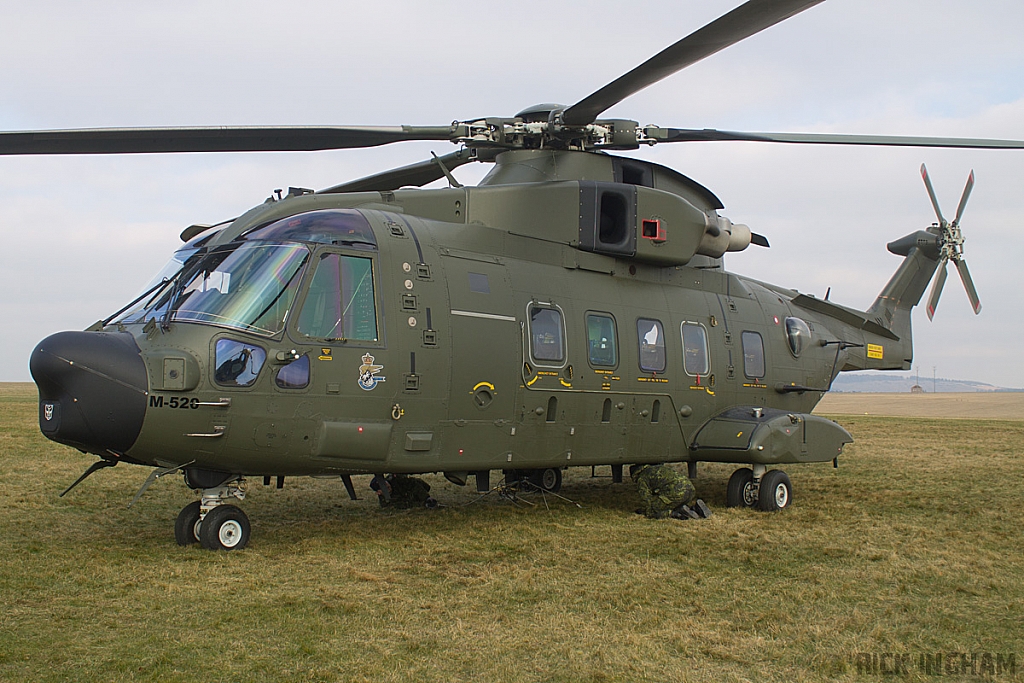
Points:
(368, 377)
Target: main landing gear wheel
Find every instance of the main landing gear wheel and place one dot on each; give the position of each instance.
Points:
(775, 492)
(186, 527)
(225, 527)
(741, 492)
(549, 479)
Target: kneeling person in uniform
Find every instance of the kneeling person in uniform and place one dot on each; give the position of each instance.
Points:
(664, 492)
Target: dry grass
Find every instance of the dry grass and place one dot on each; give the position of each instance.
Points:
(912, 546)
(977, 406)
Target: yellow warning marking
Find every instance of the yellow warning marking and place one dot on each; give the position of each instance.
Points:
(484, 384)
(530, 383)
(738, 435)
(564, 383)
(875, 351)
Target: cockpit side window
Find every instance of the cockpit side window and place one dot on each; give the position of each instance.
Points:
(295, 375)
(237, 364)
(340, 303)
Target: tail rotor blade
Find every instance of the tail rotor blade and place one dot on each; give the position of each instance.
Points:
(931, 195)
(963, 199)
(940, 280)
(972, 293)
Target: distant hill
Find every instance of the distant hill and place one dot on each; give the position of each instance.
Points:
(895, 383)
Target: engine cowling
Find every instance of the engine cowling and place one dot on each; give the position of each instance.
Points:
(722, 235)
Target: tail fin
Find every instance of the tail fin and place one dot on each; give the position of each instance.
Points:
(889, 343)
(921, 251)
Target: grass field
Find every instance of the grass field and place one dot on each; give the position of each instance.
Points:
(992, 406)
(912, 547)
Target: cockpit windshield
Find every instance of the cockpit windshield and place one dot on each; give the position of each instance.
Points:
(250, 283)
(244, 285)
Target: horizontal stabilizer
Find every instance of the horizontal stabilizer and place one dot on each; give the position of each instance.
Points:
(845, 315)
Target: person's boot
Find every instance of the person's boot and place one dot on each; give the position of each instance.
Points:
(702, 509)
(684, 512)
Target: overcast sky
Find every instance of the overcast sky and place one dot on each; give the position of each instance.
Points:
(82, 235)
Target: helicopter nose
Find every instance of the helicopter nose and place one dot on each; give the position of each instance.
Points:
(92, 390)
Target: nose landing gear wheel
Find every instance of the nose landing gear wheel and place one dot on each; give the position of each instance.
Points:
(186, 527)
(776, 491)
(225, 527)
(741, 491)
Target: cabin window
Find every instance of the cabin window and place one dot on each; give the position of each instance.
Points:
(603, 350)
(237, 364)
(753, 355)
(651, 341)
(295, 375)
(695, 349)
(799, 335)
(340, 304)
(547, 341)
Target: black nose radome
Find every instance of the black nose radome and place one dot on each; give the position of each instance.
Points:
(92, 389)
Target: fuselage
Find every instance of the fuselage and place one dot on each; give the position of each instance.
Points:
(455, 330)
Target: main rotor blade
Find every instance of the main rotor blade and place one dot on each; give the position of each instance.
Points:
(710, 135)
(742, 22)
(213, 139)
(931, 195)
(413, 175)
(963, 198)
(972, 293)
(940, 280)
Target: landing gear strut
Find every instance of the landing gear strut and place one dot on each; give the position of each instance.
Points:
(212, 521)
(769, 491)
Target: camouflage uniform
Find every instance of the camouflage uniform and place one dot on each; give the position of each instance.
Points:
(662, 489)
(406, 492)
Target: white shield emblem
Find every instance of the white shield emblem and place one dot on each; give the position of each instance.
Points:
(48, 411)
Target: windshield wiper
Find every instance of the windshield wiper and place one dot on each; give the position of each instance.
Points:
(137, 299)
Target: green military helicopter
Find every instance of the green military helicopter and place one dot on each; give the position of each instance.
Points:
(570, 310)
